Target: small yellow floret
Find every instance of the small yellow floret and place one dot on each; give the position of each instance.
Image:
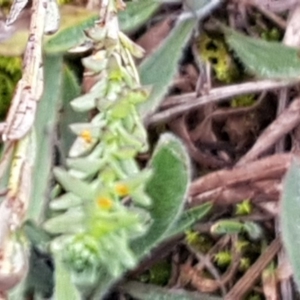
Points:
(86, 135)
(104, 202)
(122, 189)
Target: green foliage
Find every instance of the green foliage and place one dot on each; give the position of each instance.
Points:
(234, 227)
(64, 287)
(106, 213)
(188, 218)
(102, 173)
(45, 126)
(136, 14)
(290, 217)
(151, 292)
(167, 55)
(265, 59)
(167, 189)
(74, 21)
(70, 90)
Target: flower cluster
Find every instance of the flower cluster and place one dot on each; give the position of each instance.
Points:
(105, 188)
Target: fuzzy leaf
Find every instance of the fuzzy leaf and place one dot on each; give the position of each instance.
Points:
(143, 291)
(70, 90)
(45, 124)
(64, 287)
(65, 202)
(71, 221)
(136, 14)
(74, 20)
(290, 217)
(86, 165)
(158, 69)
(265, 59)
(73, 184)
(188, 218)
(167, 188)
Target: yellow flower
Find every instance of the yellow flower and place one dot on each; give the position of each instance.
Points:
(86, 135)
(105, 203)
(122, 189)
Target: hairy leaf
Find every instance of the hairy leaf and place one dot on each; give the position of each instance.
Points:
(290, 217)
(152, 292)
(73, 184)
(70, 90)
(71, 221)
(136, 14)
(188, 218)
(45, 124)
(159, 69)
(74, 20)
(64, 287)
(167, 189)
(265, 59)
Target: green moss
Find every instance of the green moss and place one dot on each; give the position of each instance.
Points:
(158, 274)
(10, 73)
(244, 208)
(214, 50)
(243, 101)
(271, 35)
(223, 258)
(62, 2)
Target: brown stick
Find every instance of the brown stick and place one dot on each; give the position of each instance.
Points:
(271, 167)
(247, 281)
(185, 103)
(283, 124)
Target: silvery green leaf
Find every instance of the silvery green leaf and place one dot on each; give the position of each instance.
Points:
(65, 202)
(198, 8)
(142, 291)
(45, 128)
(74, 185)
(81, 147)
(136, 14)
(140, 197)
(167, 188)
(93, 129)
(72, 221)
(94, 65)
(64, 287)
(188, 218)
(265, 59)
(290, 217)
(85, 165)
(133, 48)
(159, 68)
(84, 103)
